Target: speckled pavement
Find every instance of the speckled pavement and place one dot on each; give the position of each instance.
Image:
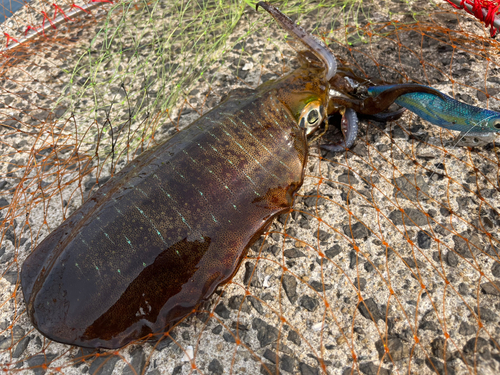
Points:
(388, 262)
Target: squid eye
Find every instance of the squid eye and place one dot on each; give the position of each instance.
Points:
(496, 124)
(313, 116)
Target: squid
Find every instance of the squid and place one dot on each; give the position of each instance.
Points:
(157, 239)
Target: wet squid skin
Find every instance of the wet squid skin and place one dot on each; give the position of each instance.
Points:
(349, 127)
(157, 239)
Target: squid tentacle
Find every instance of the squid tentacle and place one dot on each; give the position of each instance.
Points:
(386, 116)
(349, 126)
(380, 102)
(310, 42)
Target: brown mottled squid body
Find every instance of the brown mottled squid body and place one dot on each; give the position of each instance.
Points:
(159, 237)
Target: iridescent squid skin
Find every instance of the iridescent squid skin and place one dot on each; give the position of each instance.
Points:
(162, 234)
(445, 111)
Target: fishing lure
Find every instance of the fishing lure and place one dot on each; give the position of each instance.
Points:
(478, 126)
(445, 111)
(346, 99)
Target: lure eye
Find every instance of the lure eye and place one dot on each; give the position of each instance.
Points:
(311, 117)
(496, 124)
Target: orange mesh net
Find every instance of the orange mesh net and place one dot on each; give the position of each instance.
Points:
(389, 260)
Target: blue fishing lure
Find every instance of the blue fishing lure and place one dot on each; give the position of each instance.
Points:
(446, 112)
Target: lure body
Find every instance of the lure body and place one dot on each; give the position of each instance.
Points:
(445, 111)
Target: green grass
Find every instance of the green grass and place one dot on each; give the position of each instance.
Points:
(133, 73)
